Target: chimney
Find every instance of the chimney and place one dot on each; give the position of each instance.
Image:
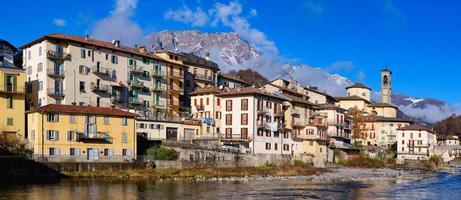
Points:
(142, 49)
(87, 38)
(207, 56)
(116, 43)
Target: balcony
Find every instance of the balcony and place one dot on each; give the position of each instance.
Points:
(98, 70)
(56, 73)
(263, 111)
(135, 101)
(11, 89)
(159, 105)
(135, 84)
(295, 113)
(336, 123)
(58, 55)
(262, 124)
(158, 74)
(203, 77)
(57, 94)
(157, 88)
(135, 69)
(100, 87)
(200, 107)
(117, 99)
(95, 137)
(299, 124)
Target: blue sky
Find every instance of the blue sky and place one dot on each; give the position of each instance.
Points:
(418, 40)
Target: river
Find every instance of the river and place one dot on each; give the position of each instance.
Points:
(435, 186)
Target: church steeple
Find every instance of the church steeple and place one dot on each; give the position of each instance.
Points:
(386, 89)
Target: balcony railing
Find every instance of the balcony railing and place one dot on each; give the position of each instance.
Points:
(95, 137)
(263, 111)
(135, 84)
(100, 87)
(101, 70)
(158, 74)
(157, 88)
(336, 123)
(200, 107)
(135, 69)
(58, 55)
(117, 98)
(204, 77)
(55, 93)
(135, 101)
(56, 73)
(11, 89)
(262, 124)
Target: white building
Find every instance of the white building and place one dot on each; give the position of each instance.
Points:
(415, 142)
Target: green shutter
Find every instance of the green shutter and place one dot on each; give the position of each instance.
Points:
(5, 82)
(15, 81)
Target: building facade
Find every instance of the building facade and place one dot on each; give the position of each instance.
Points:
(415, 142)
(71, 133)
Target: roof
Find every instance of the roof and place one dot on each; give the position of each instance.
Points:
(8, 44)
(386, 119)
(76, 109)
(385, 69)
(90, 41)
(206, 90)
(352, 98)
(191, 59)
(299, 100)
(358, 85)
(381, 105)
(233, 78)
(305, 87)
(331, 107)
(416, 127)
(249, 91)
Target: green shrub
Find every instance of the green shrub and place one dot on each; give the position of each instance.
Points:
(436, 160)
(162, 153)
(342, 162)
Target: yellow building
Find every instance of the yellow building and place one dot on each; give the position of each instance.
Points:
(70, 133)
(12, 101)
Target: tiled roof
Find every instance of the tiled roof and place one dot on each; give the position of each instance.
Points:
(352, 98)
(299, 100)
(206, 90)
(75, 109)
(386, 119)
(416, 127)
(358, 85)
(233, 78)
(192, 59)
(331, 107)
(381, 105)
(90, 41)
(249, 91)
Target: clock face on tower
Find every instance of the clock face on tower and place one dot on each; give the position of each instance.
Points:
(384, 91)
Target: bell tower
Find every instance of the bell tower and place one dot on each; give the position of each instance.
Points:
(386, 90)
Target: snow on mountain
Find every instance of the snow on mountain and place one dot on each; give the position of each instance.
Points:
(232, 52)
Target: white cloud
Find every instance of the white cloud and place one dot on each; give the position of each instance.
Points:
(119, 25)
(188, 16)
(431, 113)
(227, 15)
(314, 6)
(59, 22)
(253, 12)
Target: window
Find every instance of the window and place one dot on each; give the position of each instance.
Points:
(82, 53)
(124, 121)
(207, 101)
(29, 56)
(276, 146)
(32, 135)
(106, 120)
(260, 105)
(9, 101)
(40, 85)
(114, 59)
(83, 70)
(39, 51)
(72, 119)
(52, 135)
(419, 134)
(228, 119)
(286, 147)
(126, 152)
(9, 121)
(124, 138)
(228, 105)
(52, 117)
(228, 133)
(403, 141)
(74, 152)
(54, 151)
(268, 133)
(29, 70)
(268, 146)
(218, 101)
(71, 136)
(260, 132)
(40, 67)
(244, 133)
(244, 119)
(244, 104)
(82, 86)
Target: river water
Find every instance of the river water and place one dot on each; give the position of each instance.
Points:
(436, 186)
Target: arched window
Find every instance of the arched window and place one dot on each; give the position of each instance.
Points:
(385, 80)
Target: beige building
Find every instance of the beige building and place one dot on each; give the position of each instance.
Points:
(70, 133)
(154, 130)
(207, 107)
(415, 142)
(66, 69)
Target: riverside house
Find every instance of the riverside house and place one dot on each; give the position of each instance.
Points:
(415, 142)
(71, 133)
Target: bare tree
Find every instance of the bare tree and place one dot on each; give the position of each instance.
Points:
(358, 123)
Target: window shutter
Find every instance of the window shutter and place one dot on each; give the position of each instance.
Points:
(69, 135)
(48, 135)
(77, 152)
(56, 151)
(15, 80)
(57, 135)
(96, 154)
(128, 152)
(111, 152)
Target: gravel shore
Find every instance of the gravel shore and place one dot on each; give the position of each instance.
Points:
(331, 175)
